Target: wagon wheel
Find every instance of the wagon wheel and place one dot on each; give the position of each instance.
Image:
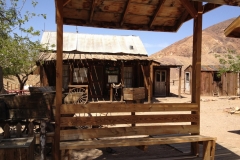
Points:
(79, 95)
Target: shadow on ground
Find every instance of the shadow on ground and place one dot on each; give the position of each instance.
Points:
(235, 131)
(163, 152)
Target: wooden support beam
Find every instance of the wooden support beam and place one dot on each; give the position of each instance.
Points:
(206, 8)
(92, 10)
(122, 79)
(189, 7)
(196, 57)
(151, 83)
(160, 4)
(125, 12)
(196, 69)
(145, 78)
(59, 66)
(181, 20)
(65, 2)
(180, 82)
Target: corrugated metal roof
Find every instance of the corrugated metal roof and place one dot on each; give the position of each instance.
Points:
(90, 43)
(209, 67)
(73, 56)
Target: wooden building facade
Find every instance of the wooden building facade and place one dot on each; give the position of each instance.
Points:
(102, 60)
(211, 82)
(161, 76)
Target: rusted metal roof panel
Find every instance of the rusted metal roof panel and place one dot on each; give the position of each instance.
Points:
(77, 56)
(90, 43)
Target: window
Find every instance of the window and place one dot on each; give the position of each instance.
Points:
(65, 76)
(112, 78)
(80, 75)
(187, 76)
(128, 77)
(216, 77)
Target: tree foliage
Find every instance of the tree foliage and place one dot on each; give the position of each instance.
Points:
(18, 53)
(230, 62)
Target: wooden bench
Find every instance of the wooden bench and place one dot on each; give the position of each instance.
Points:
(122, 128)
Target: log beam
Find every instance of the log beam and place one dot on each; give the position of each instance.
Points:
(65, 2)
(189, 7)
(92, 10)
(59, 66)
(160, 4)
(125, 12)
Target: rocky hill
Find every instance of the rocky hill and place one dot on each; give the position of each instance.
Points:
(213, 42)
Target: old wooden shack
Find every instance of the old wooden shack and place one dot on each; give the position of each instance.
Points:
(211, 82)
(98, 61)
(161, 76)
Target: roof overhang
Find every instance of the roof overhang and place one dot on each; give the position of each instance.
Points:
(147, 15)
(233, 30)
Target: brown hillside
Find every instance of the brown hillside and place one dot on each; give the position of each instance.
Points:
(213, 42)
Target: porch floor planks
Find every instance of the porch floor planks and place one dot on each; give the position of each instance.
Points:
(221, 152)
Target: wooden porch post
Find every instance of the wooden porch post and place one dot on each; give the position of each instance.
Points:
(59, 12)
(180, 82)
(196, 67)
(122, 79)
(151, 83)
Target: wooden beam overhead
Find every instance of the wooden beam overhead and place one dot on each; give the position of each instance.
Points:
(92, 10)
(156, 12)
(125, 12)
(224, 2)
(79, 22)
(233, 30)
(189, 7)
(206, 8)
(65, 2)
(181, 19)
(59, 73)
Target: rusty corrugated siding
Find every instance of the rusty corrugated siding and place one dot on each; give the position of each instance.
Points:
(72, 56)
(90, 43)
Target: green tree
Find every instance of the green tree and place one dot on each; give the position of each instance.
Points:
(18, 53)
(230, 62)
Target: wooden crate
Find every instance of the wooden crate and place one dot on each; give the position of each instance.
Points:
(17, 148)
(134, 93)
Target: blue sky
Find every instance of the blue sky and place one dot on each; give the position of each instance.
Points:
(153, 41)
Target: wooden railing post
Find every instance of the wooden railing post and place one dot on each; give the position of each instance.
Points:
(43, 140)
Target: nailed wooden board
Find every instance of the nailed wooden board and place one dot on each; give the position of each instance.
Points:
(132, 142)
(108, 120)
(77, 134)
(107, 107)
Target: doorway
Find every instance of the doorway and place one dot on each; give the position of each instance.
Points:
(187, 81)
(160, 83)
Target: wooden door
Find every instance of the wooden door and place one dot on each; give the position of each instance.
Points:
(160, 83)
(96, 81)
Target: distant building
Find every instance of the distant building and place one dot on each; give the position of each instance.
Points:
(211, 82)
